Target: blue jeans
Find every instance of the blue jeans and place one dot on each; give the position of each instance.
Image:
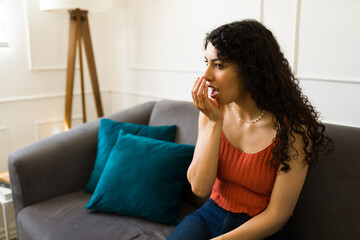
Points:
(212, 221)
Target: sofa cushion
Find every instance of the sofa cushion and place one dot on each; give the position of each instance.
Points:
(143, 177)
(65, 217)
(184, 115)
(107, 135)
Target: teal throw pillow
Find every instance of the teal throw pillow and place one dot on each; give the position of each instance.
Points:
(107, 135)
(143, 177)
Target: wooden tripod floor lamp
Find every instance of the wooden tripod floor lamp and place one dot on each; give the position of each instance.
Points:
(79, 33)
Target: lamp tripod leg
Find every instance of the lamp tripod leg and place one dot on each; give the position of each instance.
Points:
(85, 30)
(78, 21)
(70, 73)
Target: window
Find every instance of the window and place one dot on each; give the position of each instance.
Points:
(3, 31)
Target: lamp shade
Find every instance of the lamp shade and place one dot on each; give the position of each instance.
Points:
(64, 5)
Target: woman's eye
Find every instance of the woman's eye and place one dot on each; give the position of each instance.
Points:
(216, 65)
(219, 66)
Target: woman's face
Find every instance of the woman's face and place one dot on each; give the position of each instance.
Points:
(226, 83)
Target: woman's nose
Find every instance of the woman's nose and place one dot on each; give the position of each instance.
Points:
(208, 74)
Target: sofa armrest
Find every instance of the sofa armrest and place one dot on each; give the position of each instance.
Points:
(54, 166)
(61, 164)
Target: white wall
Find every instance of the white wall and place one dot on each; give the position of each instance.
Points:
(159, 48)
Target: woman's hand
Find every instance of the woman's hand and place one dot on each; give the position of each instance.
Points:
(203, 168)
(202, 102)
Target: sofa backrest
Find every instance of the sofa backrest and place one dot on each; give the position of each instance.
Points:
(329, 205)
(185, 116)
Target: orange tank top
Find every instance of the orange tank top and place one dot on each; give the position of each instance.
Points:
(244, 181)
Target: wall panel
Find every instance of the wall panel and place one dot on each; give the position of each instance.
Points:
(4, 147)
(329, 40)
(280, 16)
(47, 37)
(48, 127)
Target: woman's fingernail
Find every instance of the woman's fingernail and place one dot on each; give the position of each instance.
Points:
(207, 83)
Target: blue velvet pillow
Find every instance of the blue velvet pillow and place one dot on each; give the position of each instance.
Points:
(143, 177)
(107, 135)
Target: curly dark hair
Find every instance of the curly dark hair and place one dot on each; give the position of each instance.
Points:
(268, 78)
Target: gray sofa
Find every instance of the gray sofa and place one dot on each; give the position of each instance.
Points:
(47, 179)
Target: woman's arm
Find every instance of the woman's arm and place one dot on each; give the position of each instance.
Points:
(286, 191)
(203, 168)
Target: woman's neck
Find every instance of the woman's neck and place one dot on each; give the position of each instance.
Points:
(246, 108)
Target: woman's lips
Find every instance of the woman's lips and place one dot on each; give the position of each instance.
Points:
(214, 92)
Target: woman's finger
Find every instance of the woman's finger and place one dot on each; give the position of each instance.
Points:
(200, 92)
(206, 89)
(195, 85)
(195, 90)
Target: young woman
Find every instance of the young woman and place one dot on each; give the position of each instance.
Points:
(258, 135)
